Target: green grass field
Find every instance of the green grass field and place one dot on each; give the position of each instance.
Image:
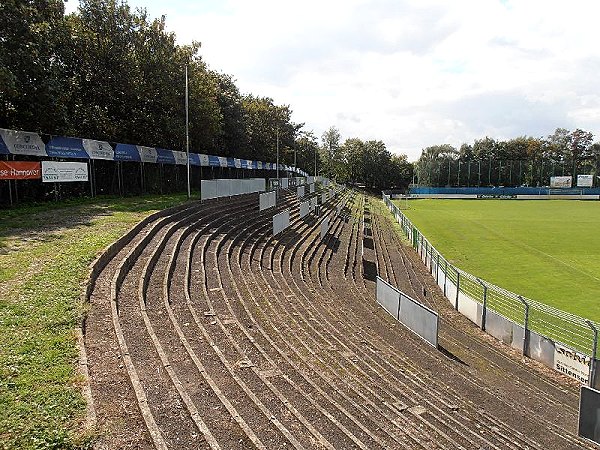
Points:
(45, 251)
(545, 250)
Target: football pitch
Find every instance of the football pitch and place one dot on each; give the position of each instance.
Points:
(547, 250)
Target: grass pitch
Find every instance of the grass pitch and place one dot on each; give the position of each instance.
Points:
(545, 250)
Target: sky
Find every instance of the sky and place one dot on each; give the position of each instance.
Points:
(411, 73)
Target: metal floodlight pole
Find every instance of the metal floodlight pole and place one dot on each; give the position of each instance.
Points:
(187, 132)
(277, 146)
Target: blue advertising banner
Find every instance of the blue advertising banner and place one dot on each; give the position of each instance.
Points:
(66, 147)
(127, 152)
(214, 161)
(164, 156)
(194, 159)
(3, 147)
(231, 163)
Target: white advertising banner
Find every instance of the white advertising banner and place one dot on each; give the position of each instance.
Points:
(64, 171)
(571, 363)
(147, 154)
(237, 163)
(98, 149)
(561, 182)
(23, 142)
(585, 180)
(204, 161)
(180, 158)
(222, 161)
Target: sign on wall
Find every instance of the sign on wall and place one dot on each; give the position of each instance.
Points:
(571, 363)
(561, 182)
(64, 171)
(585, 180)
(20, 170)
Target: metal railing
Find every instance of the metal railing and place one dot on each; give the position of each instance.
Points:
(561, 327)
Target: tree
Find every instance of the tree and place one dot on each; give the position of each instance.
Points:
(266, 121)
(33, 74)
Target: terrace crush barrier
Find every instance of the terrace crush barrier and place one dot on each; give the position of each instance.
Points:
(415, 316)
(559, 340)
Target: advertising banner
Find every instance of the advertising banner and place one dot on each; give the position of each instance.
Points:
(21, 143)
(571, 363)
(222, 161)
(64, 171)
(585, 180)
(98, 149)
(181, 158)
(20, 170)
(147, 154)
(126, 152)
(561, 182)
(204, 160)
(66, 147)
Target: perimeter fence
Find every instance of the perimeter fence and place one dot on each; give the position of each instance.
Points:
(558, 339)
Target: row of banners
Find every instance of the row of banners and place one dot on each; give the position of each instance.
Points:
(567, 181)
(14, 142)
(48, 171)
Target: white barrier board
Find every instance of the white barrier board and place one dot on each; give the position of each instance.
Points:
(311, 188)
(267, 200)
(304, 208)
(281, 221)
(324, 227)
(208, 189)
(300, 191)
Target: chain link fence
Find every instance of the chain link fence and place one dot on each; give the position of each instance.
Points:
(537, 329)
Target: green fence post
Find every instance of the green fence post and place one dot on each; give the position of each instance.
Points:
(526, 326)
(457, 288)
(484, 309)
(445, 275)
(592, 375)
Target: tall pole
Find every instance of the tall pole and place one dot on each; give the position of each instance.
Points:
(187, 132)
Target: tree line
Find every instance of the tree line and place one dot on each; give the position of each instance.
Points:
(112, 73)
(368, 163)
(523, 160)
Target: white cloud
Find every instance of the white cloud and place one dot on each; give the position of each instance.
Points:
(412, 73)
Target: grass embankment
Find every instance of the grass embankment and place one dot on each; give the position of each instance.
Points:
(545, 250)
(45, 251)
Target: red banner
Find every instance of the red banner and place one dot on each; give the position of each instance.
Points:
(20, 170)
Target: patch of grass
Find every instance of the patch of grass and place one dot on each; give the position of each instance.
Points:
(45, 251)
(545, 250)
